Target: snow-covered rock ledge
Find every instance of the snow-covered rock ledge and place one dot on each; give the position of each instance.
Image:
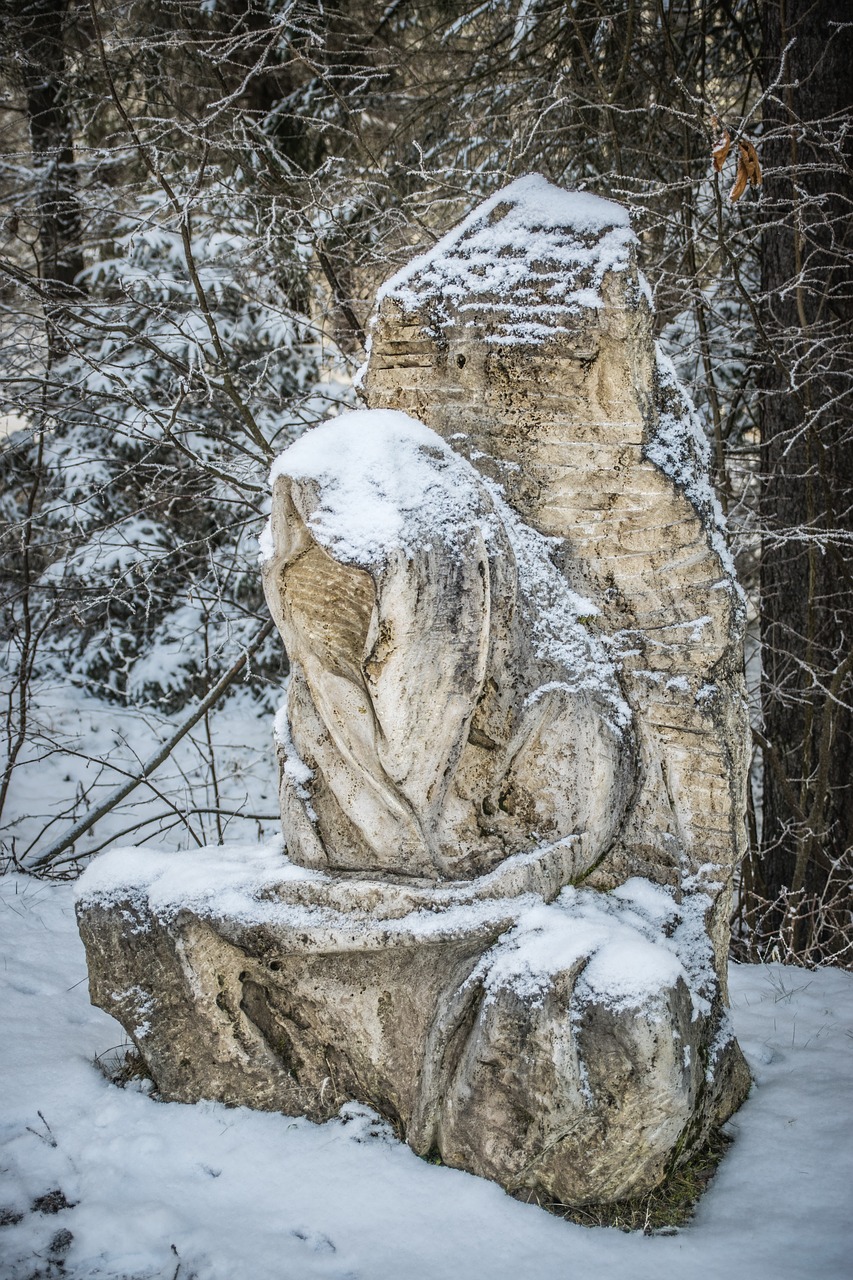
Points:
(512, 756)
(247, 979)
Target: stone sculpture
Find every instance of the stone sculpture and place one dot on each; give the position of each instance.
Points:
(448, 704)
(512, 757)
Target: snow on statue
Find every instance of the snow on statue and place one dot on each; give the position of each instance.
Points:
(513, 751)
(447, 706)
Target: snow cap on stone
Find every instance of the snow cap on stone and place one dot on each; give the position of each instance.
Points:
(383, 481)
(531, 257)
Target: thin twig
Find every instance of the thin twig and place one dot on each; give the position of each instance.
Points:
(115, 797)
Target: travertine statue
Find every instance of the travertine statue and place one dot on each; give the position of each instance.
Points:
(512, 757)
(448, 707)
(524, 339)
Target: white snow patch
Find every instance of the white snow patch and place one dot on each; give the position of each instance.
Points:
(616, 938)
(294, 766)
(225, 880)
(680, 448)
(386, 481)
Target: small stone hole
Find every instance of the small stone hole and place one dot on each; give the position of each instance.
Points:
(275, 965)
(460, 360)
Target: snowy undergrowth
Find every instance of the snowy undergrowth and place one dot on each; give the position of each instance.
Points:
(163, 1190)
(98, 743)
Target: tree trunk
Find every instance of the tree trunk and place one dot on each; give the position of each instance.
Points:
(40, 25)
(806, 419)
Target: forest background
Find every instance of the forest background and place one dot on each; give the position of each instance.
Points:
(201, 198)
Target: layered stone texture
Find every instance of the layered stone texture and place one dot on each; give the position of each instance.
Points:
(512, 756)
(449, 705)
(524, 339)
(566, 1042)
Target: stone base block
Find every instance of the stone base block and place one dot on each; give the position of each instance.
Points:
(572, 1047)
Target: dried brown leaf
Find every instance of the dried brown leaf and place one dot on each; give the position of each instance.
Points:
(741, 179)
(751, 160)
(748, 169)
(721, 149)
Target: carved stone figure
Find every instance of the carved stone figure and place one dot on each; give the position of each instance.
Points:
(512, 756)
(524, 339)
(447, 700)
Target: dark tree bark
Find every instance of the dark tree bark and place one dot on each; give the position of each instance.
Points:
(39, 30)
(806, 420)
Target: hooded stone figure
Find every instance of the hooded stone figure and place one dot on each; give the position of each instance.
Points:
(447, 707)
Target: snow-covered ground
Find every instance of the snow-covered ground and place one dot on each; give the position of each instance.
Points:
(156, 1190)
(80, 749)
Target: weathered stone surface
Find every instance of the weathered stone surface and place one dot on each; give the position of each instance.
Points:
(565, 401)
(566, 1049)
(448, 707)
(513, 751)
